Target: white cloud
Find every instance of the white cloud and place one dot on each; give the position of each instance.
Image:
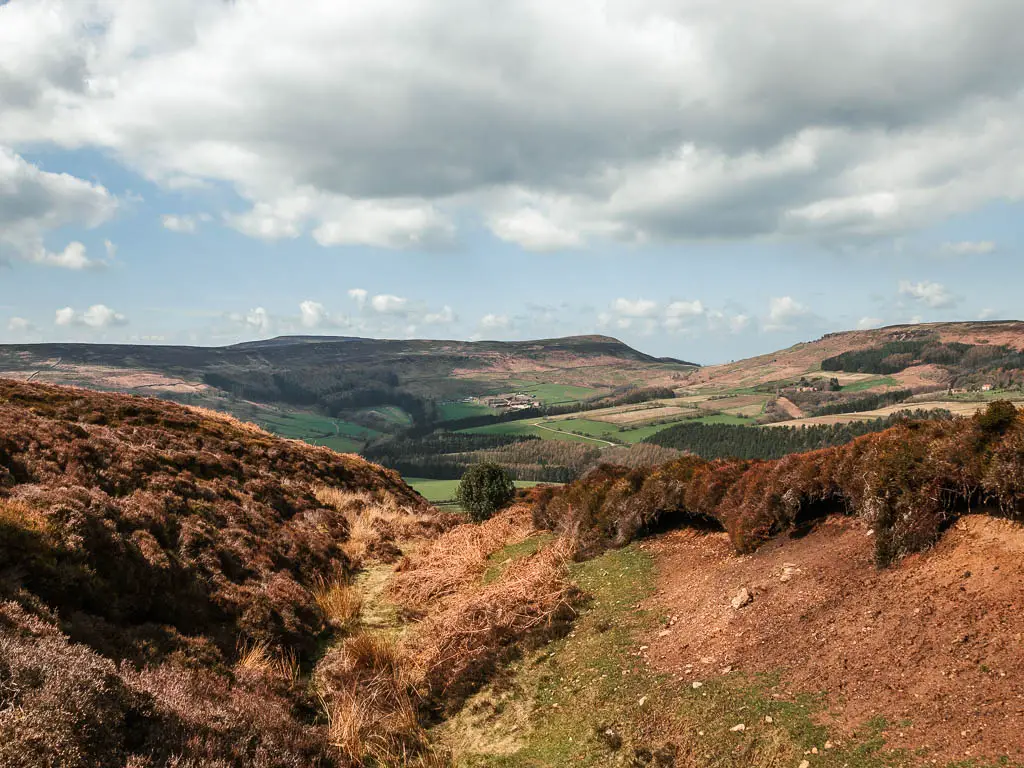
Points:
(446, 316)
(111, 249)
(933, 295)
(534, 231)
(34, 202)
(19, 325)
(987, 313)
(387, 304)
(784, 313)
(96, 316)
(101, 316)
(259, 320)
(970, 247)
(358, 295)
(555, 122)
(72, 257)
(65, 316)
(866, 323)
(495, 322)
(739, 323)
(635, 307)
(185, 225)
(312, 314)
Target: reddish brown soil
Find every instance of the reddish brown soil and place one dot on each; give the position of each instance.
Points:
(935, 640)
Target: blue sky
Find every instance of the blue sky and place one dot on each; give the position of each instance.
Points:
(185, 172)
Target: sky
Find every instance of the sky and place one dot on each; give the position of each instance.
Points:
(700, 179)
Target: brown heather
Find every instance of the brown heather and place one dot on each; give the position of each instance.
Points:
(162, 575)
(909, 482)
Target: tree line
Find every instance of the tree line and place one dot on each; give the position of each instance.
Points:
(714, 441)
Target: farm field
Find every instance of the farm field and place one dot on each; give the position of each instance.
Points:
(440, 491)
(554, 394)
(873, 382)
(453, 411)
(956, 407)
(336, 434)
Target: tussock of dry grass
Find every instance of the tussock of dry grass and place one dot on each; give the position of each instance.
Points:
(340, 603)
(258, 660)
(370, 701)
(377, 522)
(457, 558)
(456, 649)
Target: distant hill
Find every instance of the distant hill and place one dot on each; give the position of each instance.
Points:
(941, 364)
(372, 385)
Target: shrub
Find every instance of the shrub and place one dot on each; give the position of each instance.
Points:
(908, 482)
(999, 415)
(484, 489)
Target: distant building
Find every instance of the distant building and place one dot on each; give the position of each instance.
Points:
(986, 387)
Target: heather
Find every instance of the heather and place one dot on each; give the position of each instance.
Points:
(909, 482)
(167, 576)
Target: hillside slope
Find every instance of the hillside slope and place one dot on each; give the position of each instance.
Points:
(145, 548)
(806, 358)
(341, 391)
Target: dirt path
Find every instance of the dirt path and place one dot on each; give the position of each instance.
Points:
(934, 645)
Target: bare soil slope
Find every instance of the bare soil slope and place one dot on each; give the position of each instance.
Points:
(932, 644)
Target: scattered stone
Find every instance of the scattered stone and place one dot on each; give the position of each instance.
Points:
(643, 699)
(829, 745)
(665, 633)
(814, 750)
(742, 598)
(738, 728)
(697, 685)
(805, 764)
(726, 670)
(769, 719)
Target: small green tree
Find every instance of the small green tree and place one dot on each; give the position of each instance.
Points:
(484, 489)
(999, 415)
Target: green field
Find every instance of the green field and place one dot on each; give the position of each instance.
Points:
(342, 436)
(860, 386)
(554, 394)
(725, 418)
(591, 432)
(526, 428)
(453, 411)
(438, 491)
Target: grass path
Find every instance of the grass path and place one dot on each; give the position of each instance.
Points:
(377, 614)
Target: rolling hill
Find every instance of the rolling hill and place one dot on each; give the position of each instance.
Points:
(343, 391)
(181, 589)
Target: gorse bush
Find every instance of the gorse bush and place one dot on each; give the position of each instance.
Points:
(484, 489)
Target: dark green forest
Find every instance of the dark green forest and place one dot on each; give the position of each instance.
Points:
(715, 441)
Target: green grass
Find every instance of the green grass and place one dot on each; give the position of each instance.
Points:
(336, 434)
(555, 704)
(436, 491)
(726, 418)
(587, 427)
(388, 414)
(554, 394)
(860, 386)
(525, 427)
(453, 411)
